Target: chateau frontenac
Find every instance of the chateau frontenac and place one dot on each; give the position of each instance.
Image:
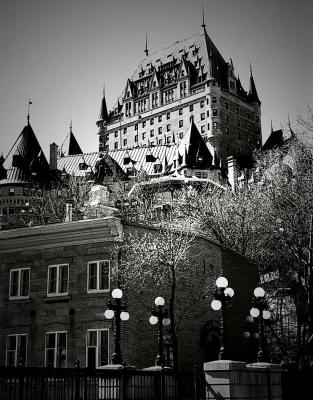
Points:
(187, 81)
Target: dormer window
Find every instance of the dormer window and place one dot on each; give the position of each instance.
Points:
(82, 166)
(131, 171)
(157, 168)
(199, 159)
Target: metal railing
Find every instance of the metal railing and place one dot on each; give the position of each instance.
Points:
(25, 383)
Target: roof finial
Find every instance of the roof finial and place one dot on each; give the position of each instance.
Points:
(250, 68)
(28, 118)
(272, 126)
(71, 126)
(146, 49)
(203, 23)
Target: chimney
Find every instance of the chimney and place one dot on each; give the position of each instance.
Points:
(69, 212)
(232, 172)
(53, 156)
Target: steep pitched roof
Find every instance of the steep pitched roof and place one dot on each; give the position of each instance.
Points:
(253, 94)
(141, 159)
(275, 139)
(26, 160)
(74, 147)
(193, 150)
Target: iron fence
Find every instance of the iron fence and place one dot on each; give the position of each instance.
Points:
(25, 383)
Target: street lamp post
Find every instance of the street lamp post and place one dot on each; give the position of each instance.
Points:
(159, 317)
(222, 293)
(117, 310)
(260, 311)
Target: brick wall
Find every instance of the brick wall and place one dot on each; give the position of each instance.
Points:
(80, 242)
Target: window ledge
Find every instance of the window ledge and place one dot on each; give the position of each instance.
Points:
(57, 299)
(17, 300)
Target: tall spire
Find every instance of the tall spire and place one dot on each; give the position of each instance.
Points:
(103, 110)
(203, 22)
(146, 49)
(71, 126)
(28, 117)
(253, 94)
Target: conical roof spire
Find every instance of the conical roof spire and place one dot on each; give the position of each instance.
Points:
(73, 147)
(253, 94)
(103, 110)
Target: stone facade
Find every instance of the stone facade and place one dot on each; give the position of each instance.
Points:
(188, 79)
(48, 298)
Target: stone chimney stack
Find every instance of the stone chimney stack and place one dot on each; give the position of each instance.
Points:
(232, 172)
(53, 156)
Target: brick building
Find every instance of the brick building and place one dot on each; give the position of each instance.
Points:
(188, 79)
(56, 281)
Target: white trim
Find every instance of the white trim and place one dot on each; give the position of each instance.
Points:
(56, 333)
(58, 293)
(97, 290)
(19, 283)
(98, 331)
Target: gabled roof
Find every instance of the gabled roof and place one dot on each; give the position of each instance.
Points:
(26, 161)
(193, 151)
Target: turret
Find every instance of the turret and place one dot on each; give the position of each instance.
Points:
(253, 94)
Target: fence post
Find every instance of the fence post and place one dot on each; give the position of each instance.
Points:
(21, 382)
(124, 383)
(162, 382)
(195, 383)
(77, 379)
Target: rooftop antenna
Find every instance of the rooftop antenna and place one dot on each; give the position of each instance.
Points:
(29, 103)
(146, 49)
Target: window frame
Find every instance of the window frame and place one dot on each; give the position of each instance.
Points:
(16, 351)
(56, 333)
(97, 290)
(57, 293)
(98, 331)
(19, 283)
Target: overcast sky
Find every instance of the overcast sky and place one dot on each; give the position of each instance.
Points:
(60, 53)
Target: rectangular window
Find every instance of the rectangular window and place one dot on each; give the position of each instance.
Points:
(191, 108)
(215, 126)
(181, 123)
(143, 135)
(125, 131)
(136, 138)
(201, 103)
(215, 112)
(168, 127)
(180, 111)
(151, 133)
(208, 126)
(125, 142)
(151, 121)
(19, 283)
(97, 348)
(208, 113)
(57, 280)
(115, 145)
(202, 116)
(143, 124)
(168, 115)
(116, 133)
(213, 99)
(98, 276)
(56, 346)
(11, 191)
(16, 351)
(202, 129)
(160, 130)
(160, 118)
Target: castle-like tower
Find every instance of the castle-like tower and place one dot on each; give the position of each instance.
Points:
(187, 80)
